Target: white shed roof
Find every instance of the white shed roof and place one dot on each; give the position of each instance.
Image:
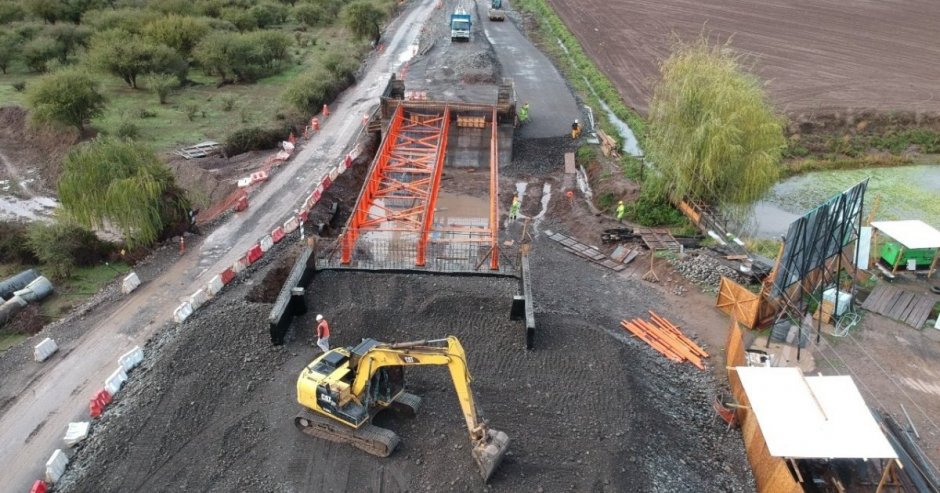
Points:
(912, 233)
(812, 417)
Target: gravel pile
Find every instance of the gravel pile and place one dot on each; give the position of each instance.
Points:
(541, 155)
(706, 271)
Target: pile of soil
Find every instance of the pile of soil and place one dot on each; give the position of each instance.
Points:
(589, 409)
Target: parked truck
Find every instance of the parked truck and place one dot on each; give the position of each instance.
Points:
(460, 25)
(496, 12)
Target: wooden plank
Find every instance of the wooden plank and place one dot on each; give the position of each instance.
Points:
(569, 163)
(889, 297)
(903, 300)
(918, 318)
(873, 298)
(629, 258)
(911, 307)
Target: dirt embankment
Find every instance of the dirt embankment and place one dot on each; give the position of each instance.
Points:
(35, 153)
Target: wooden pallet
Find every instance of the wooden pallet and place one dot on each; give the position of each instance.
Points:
(658, 239)
(624, 254)
(903, 306)
(587, 252)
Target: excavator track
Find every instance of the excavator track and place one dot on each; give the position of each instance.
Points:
(407, 404)
(369, 438)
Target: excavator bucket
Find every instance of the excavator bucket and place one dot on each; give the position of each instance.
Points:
(490, 451)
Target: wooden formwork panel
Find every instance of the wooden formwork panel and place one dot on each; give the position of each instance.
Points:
(739, 303)
(771, 473)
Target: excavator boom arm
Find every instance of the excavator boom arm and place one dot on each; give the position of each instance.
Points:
(422, 353)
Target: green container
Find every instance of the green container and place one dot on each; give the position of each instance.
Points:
(890, 252)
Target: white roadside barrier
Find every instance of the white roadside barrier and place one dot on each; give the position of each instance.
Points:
(182, 312)
(215, 286)
(131, 281)
(266, 243)
(76, 433)
(55, 466)
(198, 299)
(44, 349)
(290, 225)
(131, 359)
(115, 381)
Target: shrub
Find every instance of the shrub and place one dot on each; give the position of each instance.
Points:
(254, 139)
(62, 247)
(19, 86)
(228, 102)
(311, 90)
(161, 85)
(648, 210)
(39, 51)
(127, 130)
(13, 244)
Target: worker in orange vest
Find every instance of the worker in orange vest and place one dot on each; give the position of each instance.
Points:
(323, 333)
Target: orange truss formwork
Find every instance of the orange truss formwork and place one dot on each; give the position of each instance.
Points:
(397, 202)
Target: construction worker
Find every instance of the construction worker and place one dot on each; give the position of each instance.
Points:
(514, 208)
(323, 333)
(523, 113)
(621, 210)
(575, 130)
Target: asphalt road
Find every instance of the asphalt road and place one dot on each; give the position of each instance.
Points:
(57, 392)
(552, 107)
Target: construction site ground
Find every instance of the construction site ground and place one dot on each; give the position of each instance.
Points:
(590, 409)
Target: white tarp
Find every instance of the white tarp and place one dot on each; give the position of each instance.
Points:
(812, 417)
(913, 233)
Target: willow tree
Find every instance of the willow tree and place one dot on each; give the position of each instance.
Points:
(713, 135)
(113, 183)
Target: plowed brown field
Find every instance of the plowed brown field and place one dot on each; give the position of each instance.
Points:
(815, 54)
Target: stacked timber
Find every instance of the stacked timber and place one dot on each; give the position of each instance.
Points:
(666, 338)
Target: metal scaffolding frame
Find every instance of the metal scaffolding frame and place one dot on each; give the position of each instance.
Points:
(397, 202)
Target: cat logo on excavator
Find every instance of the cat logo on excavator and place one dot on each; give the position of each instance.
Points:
(408, 359)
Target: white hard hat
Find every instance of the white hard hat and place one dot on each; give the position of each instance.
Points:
(319, 318)
(576, 120)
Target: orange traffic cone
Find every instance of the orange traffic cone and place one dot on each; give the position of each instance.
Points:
(182, 246)
(326, 111)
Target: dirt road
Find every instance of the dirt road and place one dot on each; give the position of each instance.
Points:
(41, 399)
(815, 54)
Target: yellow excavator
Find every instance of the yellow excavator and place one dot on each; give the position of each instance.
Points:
(345, 387)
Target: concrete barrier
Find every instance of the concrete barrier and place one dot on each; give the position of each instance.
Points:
(76, 433)
(131, 359)
(114, 383)
(290, 302)
(182, 312)
(278, 234)
(198, 299)
(523, 308)
(266, 242)
(291, 225)
(214, 286)
(44, 349)
(55, 466)
(130, 283)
